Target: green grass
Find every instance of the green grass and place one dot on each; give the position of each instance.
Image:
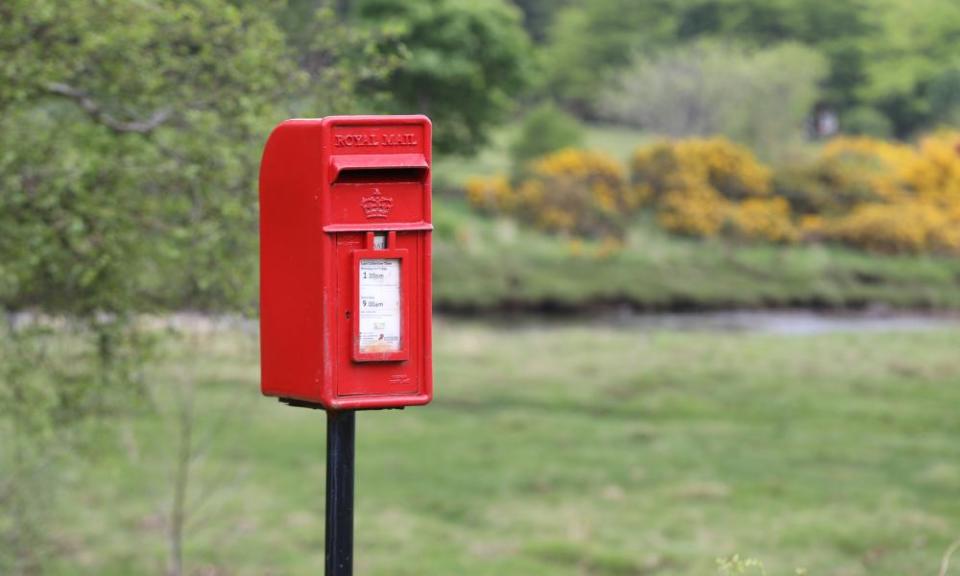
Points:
(617, 141)
(481, 263)
(567, 451)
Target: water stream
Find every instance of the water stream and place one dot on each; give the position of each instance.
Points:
(788, 321)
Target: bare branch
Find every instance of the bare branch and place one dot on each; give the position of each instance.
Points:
(91, 107)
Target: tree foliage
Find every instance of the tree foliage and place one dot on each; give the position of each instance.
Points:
(839, 29)
(538, 16)
(108, 174)
(893, 56)
(130, 134)
(545, 129)
(590, 42)
(757, 97)
(465, 63)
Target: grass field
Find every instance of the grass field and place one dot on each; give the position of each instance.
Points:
(563, 450)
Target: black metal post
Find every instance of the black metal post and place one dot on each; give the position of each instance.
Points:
(341, 432)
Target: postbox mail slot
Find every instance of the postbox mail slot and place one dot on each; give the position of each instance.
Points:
(416, 164)
(370, 175)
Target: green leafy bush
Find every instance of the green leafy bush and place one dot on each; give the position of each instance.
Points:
(866, 121)
(545, 129)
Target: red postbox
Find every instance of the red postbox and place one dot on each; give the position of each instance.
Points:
(345, 295)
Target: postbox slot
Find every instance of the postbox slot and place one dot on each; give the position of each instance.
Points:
(371, 175)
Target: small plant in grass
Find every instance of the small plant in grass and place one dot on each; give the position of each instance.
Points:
(732, 565)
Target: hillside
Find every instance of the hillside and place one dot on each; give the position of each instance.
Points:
(485, 264)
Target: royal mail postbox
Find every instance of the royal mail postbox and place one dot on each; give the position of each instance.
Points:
(345, 296)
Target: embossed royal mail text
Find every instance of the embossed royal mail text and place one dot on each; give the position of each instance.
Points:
(359, 140)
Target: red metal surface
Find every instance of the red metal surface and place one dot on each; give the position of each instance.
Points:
(325, 186)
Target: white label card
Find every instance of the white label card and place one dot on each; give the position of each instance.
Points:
(379, 319)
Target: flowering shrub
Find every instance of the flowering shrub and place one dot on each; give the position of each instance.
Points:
(905, 227)
(730, 169)
(694, 211)
(933, 174)
(570, 191)
(704, 187)
(491, 195)
(764, 218)
(880, 195)
(867, 193)
(829, 186)
(873, 166)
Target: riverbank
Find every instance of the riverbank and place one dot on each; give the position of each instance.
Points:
(483, 265)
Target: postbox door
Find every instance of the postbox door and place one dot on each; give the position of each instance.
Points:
(379, 323)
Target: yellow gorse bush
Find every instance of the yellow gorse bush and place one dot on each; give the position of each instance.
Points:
(902, 227)
(868, 193)
(491, 194)
(871, 165)
(693, 211)
(933, 175)
(574, 192)
(916, 195)
(708, 186)
(765, 218)
(729, 168)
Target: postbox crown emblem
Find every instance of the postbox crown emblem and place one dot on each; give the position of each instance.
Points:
(376, 205)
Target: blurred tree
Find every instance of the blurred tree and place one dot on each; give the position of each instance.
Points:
(538, 15)
(152, 121)
(143, 132)
(890, 55)
(545, 129)
(129, 142)
(759, 97)
(944, 94)
(837, 28)
(590, 42)
(465, 62)
(866, 121)
(911, 59)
